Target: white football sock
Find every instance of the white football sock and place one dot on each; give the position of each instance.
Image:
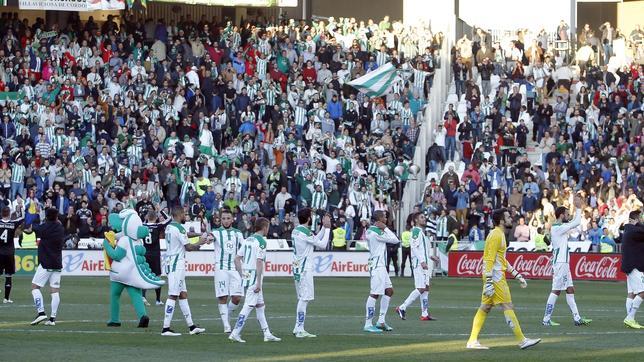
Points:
(410, 299)
(185, 309)
(301, 315)
(371, 310)
(570, 298)
(261, 318)
(55, 302)
(169, 312)
(223, 313)
(634, 307)
(629, 303)
(241, 319)
(424, 304)
(550, 306)
(384, 305)
(38, 302)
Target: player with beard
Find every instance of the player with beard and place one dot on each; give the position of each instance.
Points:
(176, 238)
(228, 286)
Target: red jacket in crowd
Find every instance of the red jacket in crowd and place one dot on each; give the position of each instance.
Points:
(450, 127)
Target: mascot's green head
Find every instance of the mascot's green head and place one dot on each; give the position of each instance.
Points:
(116, 223)
(131, 224)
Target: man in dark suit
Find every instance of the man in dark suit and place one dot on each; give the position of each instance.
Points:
(633, 266)
(50, 263)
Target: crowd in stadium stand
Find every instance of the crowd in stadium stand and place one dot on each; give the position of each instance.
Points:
(257, 118)
(581, 125)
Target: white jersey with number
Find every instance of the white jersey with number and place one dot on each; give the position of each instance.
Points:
(251, 249)
(559, 234)
(176, 239)
(304, 243)
(419, 247)
(227, 242)
(377, 239)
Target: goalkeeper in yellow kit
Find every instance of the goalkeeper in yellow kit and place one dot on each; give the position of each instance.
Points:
(495, 288)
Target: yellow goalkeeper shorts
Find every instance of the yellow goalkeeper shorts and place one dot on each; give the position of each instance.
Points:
(501, 294)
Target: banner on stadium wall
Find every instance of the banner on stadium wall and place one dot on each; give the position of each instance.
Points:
(201, 263)
(72, 5)
(62, 5)
(26, 261)
(605, 267)
(93, 5)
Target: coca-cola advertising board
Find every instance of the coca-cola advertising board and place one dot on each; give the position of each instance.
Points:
(583, 266)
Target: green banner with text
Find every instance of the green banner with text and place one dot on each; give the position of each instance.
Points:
(26, 261)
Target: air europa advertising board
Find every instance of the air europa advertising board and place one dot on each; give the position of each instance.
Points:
(201, 263)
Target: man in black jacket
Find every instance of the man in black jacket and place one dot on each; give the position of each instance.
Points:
(633, 266)
(50, 264)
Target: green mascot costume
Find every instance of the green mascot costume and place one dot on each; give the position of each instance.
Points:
(125, 259)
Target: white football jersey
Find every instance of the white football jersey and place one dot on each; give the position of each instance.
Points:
(304, 243)
(377, 239)
(419, 247)
(227, 242)
(559, 237)
(176, 238)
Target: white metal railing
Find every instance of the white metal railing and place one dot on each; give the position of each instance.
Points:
(432, 112)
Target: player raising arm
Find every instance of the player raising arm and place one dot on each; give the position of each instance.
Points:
(249, 263)
(304, 243)
(423, 266)
(378, 236)
(177, 241)
(561, 276)
(50, 264)
(495, 288)
(8, 229)
(153, 247)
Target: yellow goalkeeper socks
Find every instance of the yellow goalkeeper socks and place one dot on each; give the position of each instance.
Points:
(513, 322)
(477, 325)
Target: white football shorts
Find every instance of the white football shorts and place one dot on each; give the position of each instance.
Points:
(561, 276)
(227, 282)
(304, 286)
(43, 276)
(177, 282)
(380, 281)
(635, 281)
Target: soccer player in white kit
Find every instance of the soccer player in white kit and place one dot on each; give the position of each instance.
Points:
(423, 265)
(250, 261)
(378, 236)
(304, 243)
(561, 276)
(227, 240)
(177, 243)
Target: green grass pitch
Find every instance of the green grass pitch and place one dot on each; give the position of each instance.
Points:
(336, 316)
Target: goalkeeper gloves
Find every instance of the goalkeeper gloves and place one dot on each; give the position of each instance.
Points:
(488, 289)
(520, 278)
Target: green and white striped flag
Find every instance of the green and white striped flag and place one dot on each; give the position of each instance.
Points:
(376, 83)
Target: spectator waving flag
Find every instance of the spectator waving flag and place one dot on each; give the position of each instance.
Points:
(376, 83)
